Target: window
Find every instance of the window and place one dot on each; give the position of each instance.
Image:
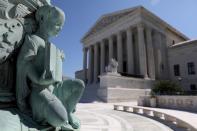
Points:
(193, 87)
(176, 70)
(191, 68)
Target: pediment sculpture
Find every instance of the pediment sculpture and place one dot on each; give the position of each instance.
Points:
(33, 94)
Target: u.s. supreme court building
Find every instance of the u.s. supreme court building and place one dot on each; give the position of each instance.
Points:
(146, 49)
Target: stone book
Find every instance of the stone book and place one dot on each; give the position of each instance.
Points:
(54, 61)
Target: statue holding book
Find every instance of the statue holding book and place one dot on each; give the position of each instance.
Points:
(42, 97)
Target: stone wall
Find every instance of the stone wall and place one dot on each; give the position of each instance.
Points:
(188, 103)
(181, 54)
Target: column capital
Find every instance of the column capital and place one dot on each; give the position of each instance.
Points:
(85, 49)
(90, 47)
(140, 26)
(129, 30)
(119, 33)
(149, 28)
(110, 38)
(95, 45)
(119, 36)
(102, 42)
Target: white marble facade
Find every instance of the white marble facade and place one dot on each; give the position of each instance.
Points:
(136, 38)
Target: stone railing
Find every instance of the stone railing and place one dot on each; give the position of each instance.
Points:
(188, 103)
(157, 114)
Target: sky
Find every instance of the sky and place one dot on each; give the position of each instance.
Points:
(82, 14)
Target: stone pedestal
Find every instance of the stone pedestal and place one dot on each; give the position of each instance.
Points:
(116, 88)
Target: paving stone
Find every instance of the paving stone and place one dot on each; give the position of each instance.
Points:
(102, 117)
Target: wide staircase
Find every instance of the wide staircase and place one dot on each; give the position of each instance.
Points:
(90, 94)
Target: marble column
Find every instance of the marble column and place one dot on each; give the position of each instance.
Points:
(130, 57)
(111, 47)
(165, 56)
(120, 52)
(102, 66)
(158, 55)
(95, 63)
(150, 53)
(142, 51)
(90, 65)
(85, 64)
(163, 61)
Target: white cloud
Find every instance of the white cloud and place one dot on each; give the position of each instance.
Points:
(154, 2)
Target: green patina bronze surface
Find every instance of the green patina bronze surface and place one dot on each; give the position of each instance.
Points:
(44, 100)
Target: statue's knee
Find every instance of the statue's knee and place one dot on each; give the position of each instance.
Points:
(62, 121)
(73, 85)
(56, 113)
(58, 122)
(79, 84)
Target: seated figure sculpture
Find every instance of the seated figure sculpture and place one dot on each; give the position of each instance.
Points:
(112, 67)
(50, 100)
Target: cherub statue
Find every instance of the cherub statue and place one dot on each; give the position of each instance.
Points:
(51, 100)
(25, 29)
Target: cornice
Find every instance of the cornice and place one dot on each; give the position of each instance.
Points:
(144, 16)
(184, 44)
(162, 22)
(121, 24)
(121, 12)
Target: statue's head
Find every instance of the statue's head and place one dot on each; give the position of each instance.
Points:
(51, 19)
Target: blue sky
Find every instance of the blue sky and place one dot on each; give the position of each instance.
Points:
(82, 14)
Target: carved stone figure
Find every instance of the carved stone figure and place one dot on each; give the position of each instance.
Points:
(112, 67)
(51, 100)
(20, 8)
(11, 38)
(34, 65)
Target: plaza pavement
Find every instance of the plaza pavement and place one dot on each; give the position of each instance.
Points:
(102, 117)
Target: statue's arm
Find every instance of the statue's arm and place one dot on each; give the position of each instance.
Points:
(31, 47)
(37, 79)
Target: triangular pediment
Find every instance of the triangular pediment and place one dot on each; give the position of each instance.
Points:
(110, 18)
(107, 20)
